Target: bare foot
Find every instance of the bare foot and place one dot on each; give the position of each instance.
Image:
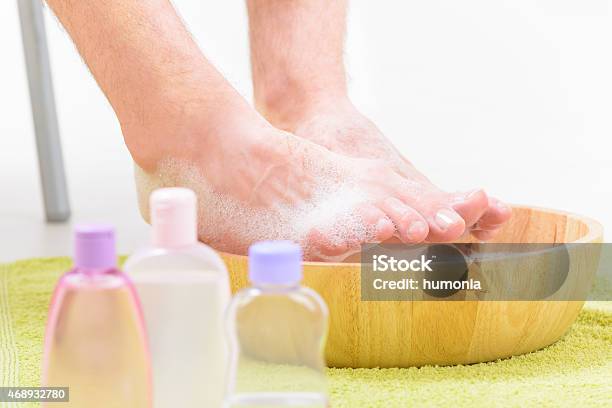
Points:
(340, 127)
(256, 182)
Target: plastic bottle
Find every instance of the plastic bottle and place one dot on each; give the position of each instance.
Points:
(277, 332)
(95, 342)
(184, 290)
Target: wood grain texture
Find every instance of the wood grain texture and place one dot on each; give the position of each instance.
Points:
(416, 333)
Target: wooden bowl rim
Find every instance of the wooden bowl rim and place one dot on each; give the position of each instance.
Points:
(594, 234)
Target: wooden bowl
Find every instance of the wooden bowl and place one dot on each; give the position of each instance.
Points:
(416, 333)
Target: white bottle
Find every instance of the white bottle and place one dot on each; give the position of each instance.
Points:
(184, 290)
(277, 331)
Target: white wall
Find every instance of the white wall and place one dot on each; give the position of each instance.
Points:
(514, 96)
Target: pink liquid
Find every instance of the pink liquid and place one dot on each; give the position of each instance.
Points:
(95, 342)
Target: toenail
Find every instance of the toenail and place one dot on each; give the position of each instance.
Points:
(416, 230)
(445, 218)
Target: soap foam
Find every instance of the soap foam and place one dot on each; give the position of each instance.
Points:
(227, 225)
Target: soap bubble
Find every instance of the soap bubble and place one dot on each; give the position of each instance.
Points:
(231, 226)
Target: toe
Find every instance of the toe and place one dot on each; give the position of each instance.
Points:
(445, 225)
(497, 214)
(337, 241)
(409, 224)
(325, 245)
(471, 206)
(379, 226)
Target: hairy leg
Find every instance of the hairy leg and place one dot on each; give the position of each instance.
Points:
(148, 66)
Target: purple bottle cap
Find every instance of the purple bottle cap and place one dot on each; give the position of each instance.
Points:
(94, 246)
(275, 262)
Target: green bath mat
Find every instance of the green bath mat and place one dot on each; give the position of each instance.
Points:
(576, 371)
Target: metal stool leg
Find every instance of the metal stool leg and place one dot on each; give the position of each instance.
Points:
(51, 165)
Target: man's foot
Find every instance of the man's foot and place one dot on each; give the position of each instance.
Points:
(340, 127)
(256, 182)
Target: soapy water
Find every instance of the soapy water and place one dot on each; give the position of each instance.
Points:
(227, 225)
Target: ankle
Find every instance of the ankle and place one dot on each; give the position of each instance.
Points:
(288, 105)
(179, 124)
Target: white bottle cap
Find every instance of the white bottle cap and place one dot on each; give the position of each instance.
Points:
(174, 217)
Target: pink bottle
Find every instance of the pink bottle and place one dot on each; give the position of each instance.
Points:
(95, 342)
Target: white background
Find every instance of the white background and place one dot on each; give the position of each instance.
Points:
(514, 96)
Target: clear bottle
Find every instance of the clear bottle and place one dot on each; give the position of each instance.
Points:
(277, 331)
(184, 289)
(95, 342)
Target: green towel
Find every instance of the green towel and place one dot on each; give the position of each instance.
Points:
(575, 371)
